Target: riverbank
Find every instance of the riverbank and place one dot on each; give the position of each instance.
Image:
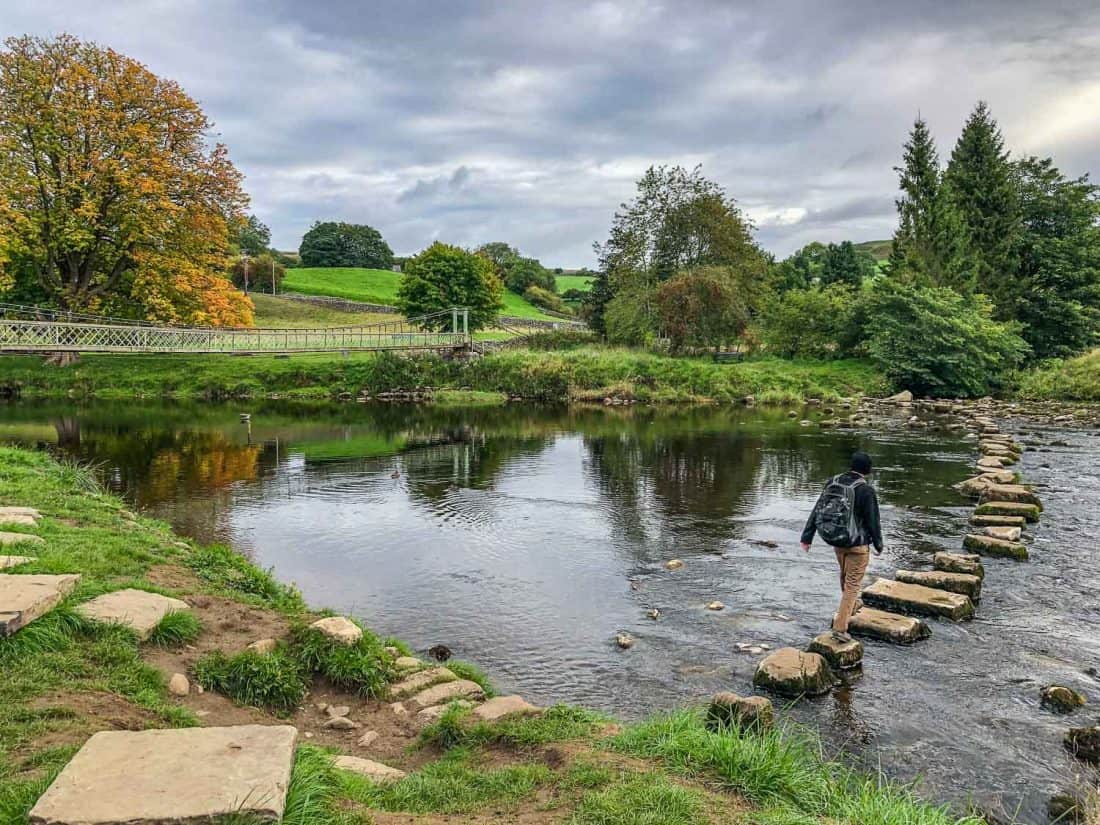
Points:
(66, 677)
(583, 373)
(1075, 379)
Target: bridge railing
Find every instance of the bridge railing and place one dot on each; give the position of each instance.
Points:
(18, 335)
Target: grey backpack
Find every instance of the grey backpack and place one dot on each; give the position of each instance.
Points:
(836, 517)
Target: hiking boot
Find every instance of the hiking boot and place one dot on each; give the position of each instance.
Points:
(843, 638)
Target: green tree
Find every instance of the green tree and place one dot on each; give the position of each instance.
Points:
(980, 185)
(594, 304)
(843, 264)
(250, 235)
(1058, 285)
(345, 244)
(929, 246)
(819, 322)
(525, 273)
(444, 276)
(701, 308)
(935, 341)
(265, 273)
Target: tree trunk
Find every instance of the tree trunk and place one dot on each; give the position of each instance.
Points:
(62, 359)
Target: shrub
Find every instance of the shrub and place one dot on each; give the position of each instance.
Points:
(934, 341)
(820, 323)
(701, 309)
(270, 680)
(364, 667)
(544, 298)
(442, 277)
(265, 274)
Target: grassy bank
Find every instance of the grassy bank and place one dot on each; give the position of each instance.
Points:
(587, 373)
(65, 678)
(1076, 379)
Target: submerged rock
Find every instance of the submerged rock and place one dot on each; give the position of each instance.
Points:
(673, 564)
(989, 546)
(754, 713)
(1061, 699)
(792, 672)
(969, 563)
(967, 584)
(624, 640)
(839, 655)
(1084, 743)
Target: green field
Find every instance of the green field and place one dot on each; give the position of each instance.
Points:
(566, 282)
(376, 286)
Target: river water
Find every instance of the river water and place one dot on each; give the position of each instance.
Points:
(525, 539)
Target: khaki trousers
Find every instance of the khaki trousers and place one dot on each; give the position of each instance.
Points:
(853, 564)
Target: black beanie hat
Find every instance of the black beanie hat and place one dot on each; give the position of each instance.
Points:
(861, 462)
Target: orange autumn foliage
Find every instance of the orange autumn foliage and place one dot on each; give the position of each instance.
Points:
(113, 196)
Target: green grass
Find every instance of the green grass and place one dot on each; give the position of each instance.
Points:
(275, 680)
(560, 723)
(567, 282)
(226, 570)
(176, 629)
(363, 667)
(1075, 379)
(648, 799)
(377, 286)
(580, 372)
(273, 312)
(468, 670)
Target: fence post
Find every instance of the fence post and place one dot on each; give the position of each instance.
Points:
(466, 322)
(454, 320)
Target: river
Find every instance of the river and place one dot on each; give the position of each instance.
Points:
(525, 539)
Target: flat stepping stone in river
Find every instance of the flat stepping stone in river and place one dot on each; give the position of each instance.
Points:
(1011, 492)
(967, 584)
(418, 681)
(13, 561)
(998, 548)
(792, 672)
(839, 655)
(1003, 533)
(25, 598)
(997, 521)
(441, 694)
(151, 777)
(915, 598)
(1008, 508)
(11, 539)
(888, 627)
(970, 563)
(138, 610)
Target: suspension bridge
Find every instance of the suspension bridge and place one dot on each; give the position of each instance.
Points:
(26, 329)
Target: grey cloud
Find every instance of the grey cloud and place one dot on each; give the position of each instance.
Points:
(478, 120)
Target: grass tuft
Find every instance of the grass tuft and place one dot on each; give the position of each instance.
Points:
(269, 680)
(364, 667)
(649, 799)
(468, 670)
(224, 568)
(449, 730)
(176, 629)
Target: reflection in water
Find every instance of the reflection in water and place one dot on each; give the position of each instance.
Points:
(525, 539)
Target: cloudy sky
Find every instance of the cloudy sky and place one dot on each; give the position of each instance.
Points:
(471, 121)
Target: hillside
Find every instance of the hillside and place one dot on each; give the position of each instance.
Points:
(880, 250)
(377, 286)
(566, 282)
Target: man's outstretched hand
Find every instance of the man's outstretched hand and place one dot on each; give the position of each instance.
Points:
(805, 547)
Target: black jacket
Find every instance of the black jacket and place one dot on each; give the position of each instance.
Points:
(866, 507)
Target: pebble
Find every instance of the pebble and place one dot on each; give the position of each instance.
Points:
(368, 738)
(341, 723)
(624, 640)
(178, 685)
(715, 605)
(334, 711)
(673, 564)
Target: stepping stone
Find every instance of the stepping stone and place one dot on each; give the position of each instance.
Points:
(407, 663)
(418, 681)
(967, 584)
(374, 771)
(978, 486)
(339, 629)
(997, 521)
(990, 462)
(17, 519)
(25, 598)
(500, 706)
(186, 775)
(1011, 492)
(138, 610)
(1003, 533)
(441, 694)
(744, 712)
(1008, 508)
(997, 548)
(19, 511)
(792, 672)
(970, 563)
(913, 598)
(839, 655)
(9, 539)
(13, 561)
(888, 627)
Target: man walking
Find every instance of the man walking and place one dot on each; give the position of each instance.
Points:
(846, 516)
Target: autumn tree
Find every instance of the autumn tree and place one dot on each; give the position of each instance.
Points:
(701, 308)
(114, 199)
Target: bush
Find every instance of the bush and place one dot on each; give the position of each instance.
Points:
(934, 341)
(819, 323)
(701, 309)
(269, 680)
(442, 277)
(523, 273)
(364, 667)
(345, 244)
(546, 299)
(265, 273)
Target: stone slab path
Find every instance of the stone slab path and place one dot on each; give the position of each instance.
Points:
(11, 539)
(136, 609)
(967, 584)
(915, 598)
(188, 775)
(13, 561)
(888, 627)
(25, 598)
(997, 548)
